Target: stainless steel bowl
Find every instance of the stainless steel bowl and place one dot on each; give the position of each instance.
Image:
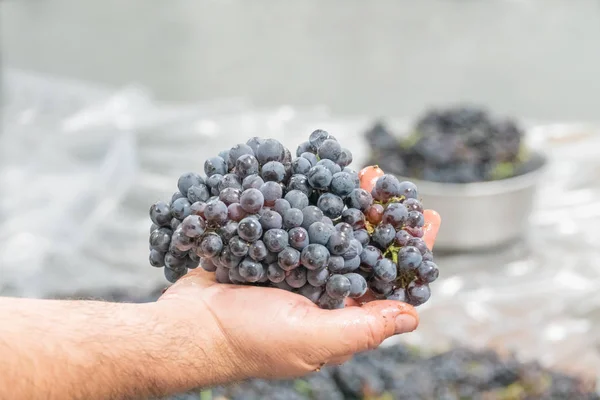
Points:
(482, 215)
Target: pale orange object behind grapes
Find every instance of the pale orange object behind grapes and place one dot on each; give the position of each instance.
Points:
(368, 177)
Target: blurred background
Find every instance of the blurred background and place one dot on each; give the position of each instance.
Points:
(105, 104)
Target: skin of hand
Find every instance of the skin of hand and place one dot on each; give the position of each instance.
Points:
(198, 334)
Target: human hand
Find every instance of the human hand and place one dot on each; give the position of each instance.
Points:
(271, 333)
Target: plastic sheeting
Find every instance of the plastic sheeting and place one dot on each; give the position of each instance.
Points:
(81, 165)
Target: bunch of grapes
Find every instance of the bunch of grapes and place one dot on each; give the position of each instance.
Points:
(304, 224)
(455, 145)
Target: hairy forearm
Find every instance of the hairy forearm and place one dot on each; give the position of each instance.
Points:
(51, 349)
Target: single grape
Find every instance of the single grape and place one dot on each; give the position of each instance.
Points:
(345, 158)
(409, 258)
(192, 226)
(362, 236)
(246, 165)
(188, 180)
(210, 246)
(319, 177)
(252, 200)
(216, 213)
(296, 278)
(174, 263)
(198, 193)
(327, 221)
(385, 270)
(224, 154)
(271, 220)
(428, 272)
(292, 218)
(250, 270)
(395, 214)
(160, 213)
(311, 214)
(317, 138)
(160, 239)
(417, 293)
(275, 273)
(297, 199)
(175, 252)
(157, 258)
(281, 206)
(197, 208)
(208, 265)
(174, 275)
(252, 181)
(298, 238)
(327, 302)
(331, 205)
(250, 229)
(330, 149)
(360, 199)
(380, 288)
(312, 158)
(314, 256)
(354, 250)
(401, 238)
(412, 204)
(318, 277)
(354, 217)
(222, 275)
(299, 182)
(428, 256)
(215, 165)
(374, 214)
(276, 240)
(230, 181)
(192, 261)
(336, 264)
(358, 285)
(271, 257)
(236, 152)
(288, 258)
(236, 212)
(398, 294)
(230, 196)
(238, 246)
(339, 243)
(408, 190)
(303, 148)
(272, 191)
(213, 183)
(301, 166)
(180, 241)
(415, 219)
(384, 235)
(153, 227)
(180, 208)
(258, 251)
(415, 232)
(338, 286)
(228, 259)
(319, 233)
(342, 184)
(310, 292)
(369, 256)
(345, 228)
(273, 171)
(354, 176)
(330, 165)
(270, 150)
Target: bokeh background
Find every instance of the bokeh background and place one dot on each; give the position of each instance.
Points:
(105, 104)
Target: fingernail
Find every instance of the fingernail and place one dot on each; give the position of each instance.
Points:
(405, 323)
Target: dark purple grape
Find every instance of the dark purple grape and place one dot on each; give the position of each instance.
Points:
(208, 265)
(250, 229)
(292, 218)
(345, 158)
(236, 212)
(228, 259)
(296, 278)
(351, 264)
(417, 293)
(380, 288)
(180, 241)
(319, 233)
(236, 152)
(310, 292)
(342, 184)
(180, 208)
(330, 149)
(198, 193)
(338, 286)
(230, 195)
(299, 182)
(252, 181)
(238, 246)
(399, 294)
(250, 270)
(428, 272)
(246, 165)
(395, 214)
(413, 205)
(339, 243)
(318, 277)
(336, 264)
(409, 258)
(360, 199)
(327, 302)
(330, 165)
(301, 166)
(315, 256)
(319, 177)
(252, 200)
(176, 195)
(215, 165)
(317, 138)
(288, 258)
(419, 244)
(230, 180)
(354, 250)
(369, 256)
(272, 191)
(298, 238)
(276, 240)
(311, 214)
(408, 190)
(273, 171)
(271, 220)
(210, 246)
(312, 158)
(174, 263)
(384, 235)
(415, 219)
(401, 238)
(160, 239)
(270, 150)
(331, 205)
(258, 251)
(297, 199)
(174, 275)
(275, 273)
(222, 275)
(281, 206)
(303, 148)
(192, 226)
(358, 285)
(386, 187)
(157, 258)
(362, 236)
(385, 270)
(216, 213)
(188, 180)
(354, 217)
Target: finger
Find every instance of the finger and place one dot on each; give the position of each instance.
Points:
(197, 278)
(355, 329)
(433, 220)
(339, 360)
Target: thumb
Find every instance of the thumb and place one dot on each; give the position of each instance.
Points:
(355, 329)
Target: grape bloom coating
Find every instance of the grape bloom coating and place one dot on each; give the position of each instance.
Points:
(308, 224)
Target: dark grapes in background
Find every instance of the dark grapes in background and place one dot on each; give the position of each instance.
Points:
(262, 217)
(456, 144)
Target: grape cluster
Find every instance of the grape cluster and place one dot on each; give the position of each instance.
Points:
(460, 144)
(262, 217)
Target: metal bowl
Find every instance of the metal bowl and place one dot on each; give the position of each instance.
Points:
(477, 216)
